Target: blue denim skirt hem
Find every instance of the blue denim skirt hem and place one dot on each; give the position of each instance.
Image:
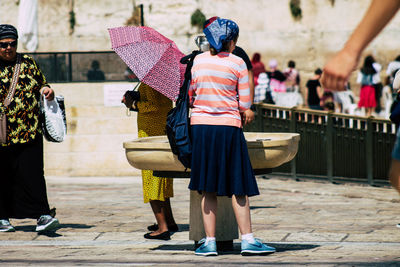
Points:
(220, 161)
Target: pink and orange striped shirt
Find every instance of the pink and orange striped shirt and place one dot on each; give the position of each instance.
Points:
(219, 90)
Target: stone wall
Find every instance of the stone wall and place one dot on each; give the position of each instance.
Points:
(266, 26)
(93, 17)
(96, 132)
(94, 143)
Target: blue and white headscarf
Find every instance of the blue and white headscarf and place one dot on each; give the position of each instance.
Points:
(218, 30)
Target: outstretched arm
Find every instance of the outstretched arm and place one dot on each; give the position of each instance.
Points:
(338, 69)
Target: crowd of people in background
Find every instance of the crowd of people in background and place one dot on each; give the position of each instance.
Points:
(273, 86)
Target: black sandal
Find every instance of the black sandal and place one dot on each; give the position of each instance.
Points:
(163, 236)
(154, 227)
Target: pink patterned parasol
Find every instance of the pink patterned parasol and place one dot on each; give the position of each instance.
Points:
(151, 56)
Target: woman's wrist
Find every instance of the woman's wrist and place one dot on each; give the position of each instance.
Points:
(352, 50)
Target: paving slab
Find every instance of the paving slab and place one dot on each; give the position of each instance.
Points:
(310, 222)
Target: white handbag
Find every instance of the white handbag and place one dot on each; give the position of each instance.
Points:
(54, 124)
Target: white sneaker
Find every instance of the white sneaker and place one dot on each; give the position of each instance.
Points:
(5, 226)
(46, 223)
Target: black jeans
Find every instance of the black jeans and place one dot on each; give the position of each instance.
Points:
(22, 185)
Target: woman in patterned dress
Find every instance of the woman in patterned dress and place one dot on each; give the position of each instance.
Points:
(153, 108)
(22, 183)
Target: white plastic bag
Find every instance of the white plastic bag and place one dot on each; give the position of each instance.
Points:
(53, 119)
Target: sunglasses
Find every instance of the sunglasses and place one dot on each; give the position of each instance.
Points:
(6, 44)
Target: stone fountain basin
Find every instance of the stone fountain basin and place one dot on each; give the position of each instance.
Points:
(266, 150)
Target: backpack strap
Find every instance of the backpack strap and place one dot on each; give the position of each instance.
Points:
(188, 61)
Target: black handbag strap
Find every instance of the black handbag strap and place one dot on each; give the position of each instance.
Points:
(14, 81)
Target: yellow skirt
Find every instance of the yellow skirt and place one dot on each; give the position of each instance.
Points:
(155, 188)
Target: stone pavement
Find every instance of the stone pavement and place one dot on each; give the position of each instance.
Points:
(103, 220)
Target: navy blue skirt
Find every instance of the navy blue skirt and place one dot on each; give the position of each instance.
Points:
(220, 161)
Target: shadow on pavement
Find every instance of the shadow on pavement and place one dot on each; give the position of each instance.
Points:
(32, 228)
(50, 234)
(75, 226)
(183, 227)
(281, 247)
(262, 207)
(175, 247)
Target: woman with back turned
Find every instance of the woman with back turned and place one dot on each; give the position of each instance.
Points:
(219, 94)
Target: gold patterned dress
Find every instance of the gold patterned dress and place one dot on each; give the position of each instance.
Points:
(152, 115)
(23, 112)
(23, 186)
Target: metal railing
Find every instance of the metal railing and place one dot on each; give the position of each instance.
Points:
(332, 146)
(74, 66)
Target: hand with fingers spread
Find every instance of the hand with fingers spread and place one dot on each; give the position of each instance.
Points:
(339, 68)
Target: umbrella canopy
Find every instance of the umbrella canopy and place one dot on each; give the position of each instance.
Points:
(151, 56)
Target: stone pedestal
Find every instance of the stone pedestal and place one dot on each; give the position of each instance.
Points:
(266, 150)
(226, 228)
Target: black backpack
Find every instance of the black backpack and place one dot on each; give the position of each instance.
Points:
(178, 121)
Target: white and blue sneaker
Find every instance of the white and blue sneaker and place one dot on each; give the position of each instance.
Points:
(47, 223)
(255, 248)
(207, 249)
(5, 226)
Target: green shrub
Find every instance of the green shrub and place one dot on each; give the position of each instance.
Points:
(198, 19)
(295, 9)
